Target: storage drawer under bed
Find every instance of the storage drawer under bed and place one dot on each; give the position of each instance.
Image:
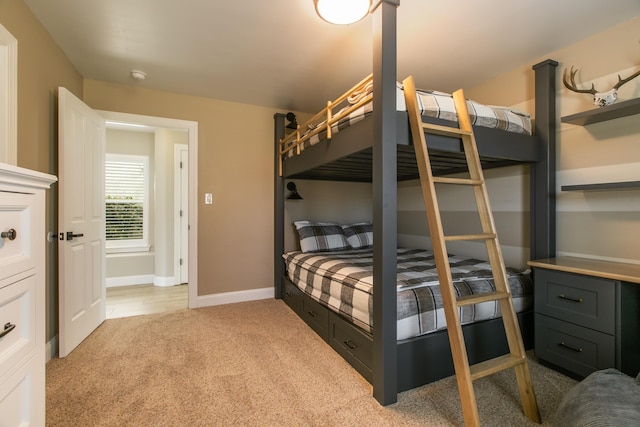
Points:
(316, 316)
(313, 313)
(355, 346)
(292, 296)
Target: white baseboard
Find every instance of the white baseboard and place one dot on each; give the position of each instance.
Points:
(51, 349)
(164, 281)
(232, 297)
(143, 279)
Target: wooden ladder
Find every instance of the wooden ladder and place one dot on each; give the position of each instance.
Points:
(516, 358)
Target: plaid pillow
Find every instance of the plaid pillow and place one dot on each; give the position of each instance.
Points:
(359, 235)
(320, 236)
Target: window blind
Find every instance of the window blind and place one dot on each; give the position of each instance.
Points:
(125, 195)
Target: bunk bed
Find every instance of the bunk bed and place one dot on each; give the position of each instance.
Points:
(377, 148)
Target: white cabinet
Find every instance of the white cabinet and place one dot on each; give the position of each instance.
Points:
(22, 294)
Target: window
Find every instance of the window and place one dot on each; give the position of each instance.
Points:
(127, 203)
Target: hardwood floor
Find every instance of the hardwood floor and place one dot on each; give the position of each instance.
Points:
(125, 301)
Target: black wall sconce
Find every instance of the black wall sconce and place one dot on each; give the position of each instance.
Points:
(291, 186)
(293, 123)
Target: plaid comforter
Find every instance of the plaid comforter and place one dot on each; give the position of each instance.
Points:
(433, 104)
(344, 282)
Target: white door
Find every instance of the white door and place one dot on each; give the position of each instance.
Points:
(81, 147)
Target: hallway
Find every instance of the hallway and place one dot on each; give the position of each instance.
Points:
(126, 301)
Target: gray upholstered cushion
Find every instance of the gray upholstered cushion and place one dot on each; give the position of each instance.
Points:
(605, 398)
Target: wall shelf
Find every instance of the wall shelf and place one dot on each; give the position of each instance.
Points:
(624, 185)
(610, 112)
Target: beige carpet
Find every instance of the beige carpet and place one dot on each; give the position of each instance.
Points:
(252, 364)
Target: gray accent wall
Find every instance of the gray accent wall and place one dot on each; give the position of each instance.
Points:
(509, 198)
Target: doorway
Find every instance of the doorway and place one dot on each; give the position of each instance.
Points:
(169, 252)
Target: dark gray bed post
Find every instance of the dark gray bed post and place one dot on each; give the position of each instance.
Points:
(385, 380)
(543, 173)
(278, 210)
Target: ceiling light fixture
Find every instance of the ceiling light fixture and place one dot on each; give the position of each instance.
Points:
(342, 12)
(138, 75)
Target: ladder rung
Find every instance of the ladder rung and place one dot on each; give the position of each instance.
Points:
(445, 130)
(491, 366)
(459, 181)
(482, 236)
(484, 297)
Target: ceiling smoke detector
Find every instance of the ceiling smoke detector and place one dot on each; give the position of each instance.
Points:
(138, 75)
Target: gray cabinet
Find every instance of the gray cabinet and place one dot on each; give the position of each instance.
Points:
(584, 323)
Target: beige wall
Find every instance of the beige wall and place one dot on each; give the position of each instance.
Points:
(235, 150)
(42, 67)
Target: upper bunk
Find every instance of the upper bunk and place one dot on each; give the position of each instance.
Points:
(336, 143)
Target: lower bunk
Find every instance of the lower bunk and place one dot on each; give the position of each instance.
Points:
(421, 360)
(329, 284)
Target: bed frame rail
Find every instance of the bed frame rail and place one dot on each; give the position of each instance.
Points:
(356, 97)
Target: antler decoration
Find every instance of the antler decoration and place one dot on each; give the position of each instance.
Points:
(599, 98)
(628, 79)
(572, 84)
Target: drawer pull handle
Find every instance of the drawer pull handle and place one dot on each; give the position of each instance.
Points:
(578, 300)
(8, 327)
(312, 313)
(289, 294)
(577, 350)
(350, 344)
(10, 234)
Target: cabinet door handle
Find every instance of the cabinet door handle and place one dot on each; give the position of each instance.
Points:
(312, 313)
(10, 234)
(8, 327)
(577, 350)
(350, 344)
(578, 300)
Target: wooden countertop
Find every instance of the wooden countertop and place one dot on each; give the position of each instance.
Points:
(591, 267)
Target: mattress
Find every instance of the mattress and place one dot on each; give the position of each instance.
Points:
(343, 281)
(432, 104)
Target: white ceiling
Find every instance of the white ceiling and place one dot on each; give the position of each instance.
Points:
(278, 53)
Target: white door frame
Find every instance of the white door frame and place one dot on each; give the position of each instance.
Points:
(192, 130)
(180, 232)
(8, 97)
